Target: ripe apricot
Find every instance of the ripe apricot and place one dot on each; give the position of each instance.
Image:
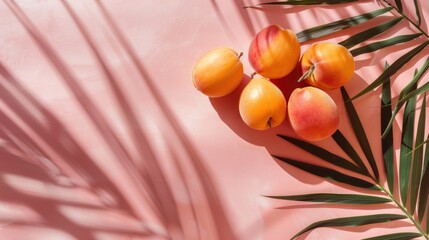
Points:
(274, 52)
(327, 65)
(312, 113)
(218, 72)
(262, 104)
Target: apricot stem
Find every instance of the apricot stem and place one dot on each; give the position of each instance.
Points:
(240, 55)
(253, 74)
(269, 123)
(307, 74)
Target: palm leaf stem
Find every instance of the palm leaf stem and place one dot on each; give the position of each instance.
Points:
(404, 209)
(399, 204)
(417, 26)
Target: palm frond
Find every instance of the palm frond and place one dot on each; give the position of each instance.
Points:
(372, 47)
(305, 2)
(396, 236)
(329, 174)
(418, 14)
(399, 5)
(405, 158)
(360, 132)
(424, 88)
(325, 29)
(413, 175)
(369, 33)
(323, 154)
(387, 142)
(351, 221)
(424, 188)
(345, 145)
(392, 69)
(407, 92)
(416, 168)
(335, 198)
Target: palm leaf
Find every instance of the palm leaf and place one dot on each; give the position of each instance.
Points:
(426, 158)
(329, 174)
(351, 221)
(384, 43)
(335, 198)
(417, 8)
(387, 142)
(407, 92)
(367, 34)
(323, 154)
(406, 147)
(421, 145)
(359, 132)
(399, 5)
(396, 236)
(349, 150)
(423, 202)
(395, 67)
(427, 219)
(424, 188)
(416, 170)
(415, 92)
(305, 2)
(336, 26)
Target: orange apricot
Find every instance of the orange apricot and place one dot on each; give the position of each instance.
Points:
(274, 52)
(262, 104)
(312, 113)
(327, 65)
(218, 72)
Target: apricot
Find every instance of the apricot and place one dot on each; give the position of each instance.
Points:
(218, 72)
(262, 104)
(327, 65)
(312, 113)
(274, 52)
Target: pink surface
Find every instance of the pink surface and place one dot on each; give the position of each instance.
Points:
(93, 145)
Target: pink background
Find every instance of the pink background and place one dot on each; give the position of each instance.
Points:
(98, 143)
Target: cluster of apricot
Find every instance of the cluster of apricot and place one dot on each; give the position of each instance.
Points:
(274, 53)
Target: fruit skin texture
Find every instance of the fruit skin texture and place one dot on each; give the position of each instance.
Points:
(274, 52)
(333, 64)
(312, 113)
(218, 72)
(262, 104)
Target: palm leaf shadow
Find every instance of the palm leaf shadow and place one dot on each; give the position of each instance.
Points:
(222, 224)
(161, 196)
(25, 158)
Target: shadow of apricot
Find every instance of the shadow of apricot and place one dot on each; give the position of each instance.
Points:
(227, 108)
